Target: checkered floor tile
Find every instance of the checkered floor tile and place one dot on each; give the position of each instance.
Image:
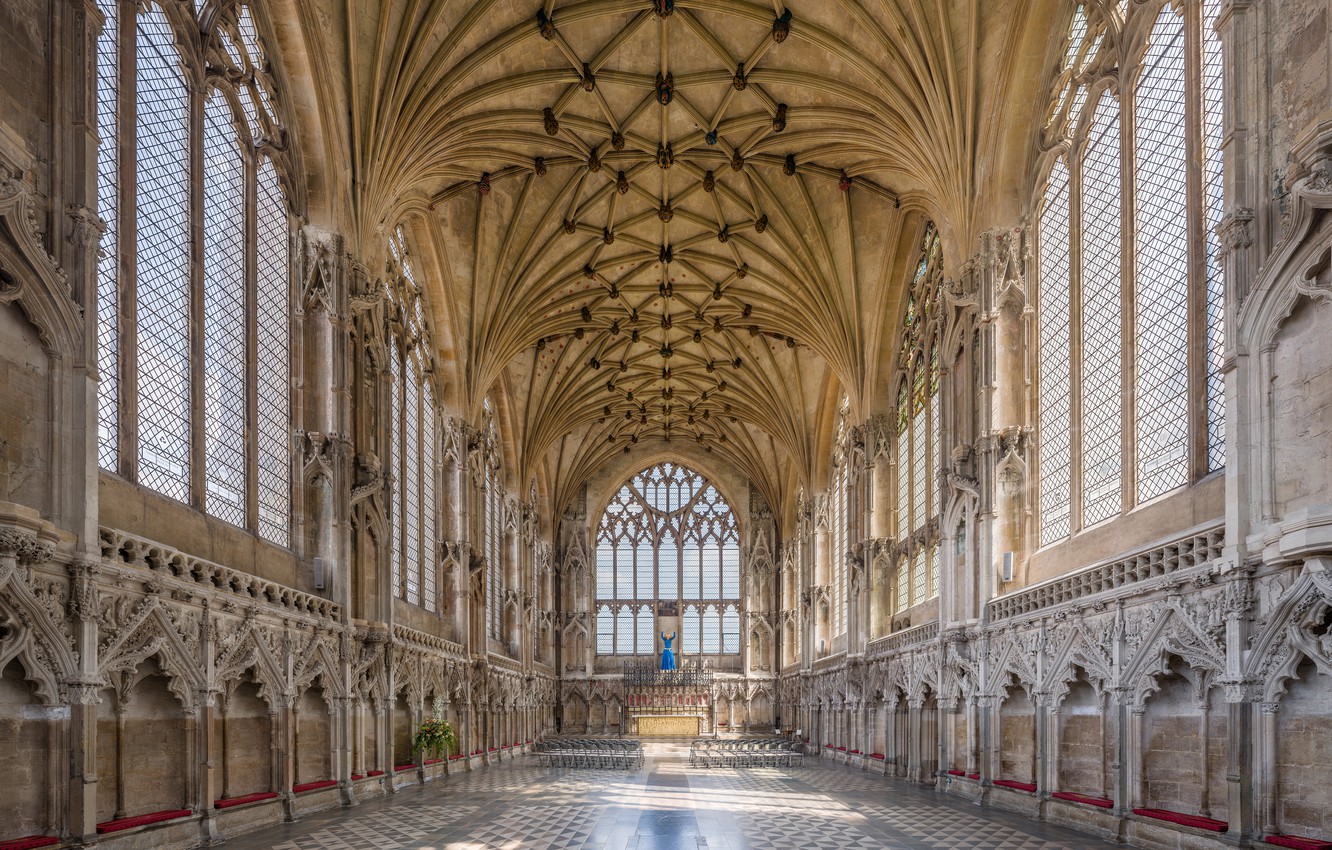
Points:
(520, 805)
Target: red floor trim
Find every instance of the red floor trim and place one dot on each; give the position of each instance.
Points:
(313, 786)
(29, 842)
(878, 756)
(399, 768)
(142, 820)
(957, 773)
(356, 776)
(228, 802)
(374, 773)
(1029, 787)
(973, 776)
(1294, 841)
(1074, 797)
(1195, 821)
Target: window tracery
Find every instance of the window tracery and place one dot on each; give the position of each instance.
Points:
(919, 430)
(194, 351)
(414, 424)
(1093, 354)
(668, 535)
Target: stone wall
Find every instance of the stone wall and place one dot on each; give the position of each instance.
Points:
(1148, 660)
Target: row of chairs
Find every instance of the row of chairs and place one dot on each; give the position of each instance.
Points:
(770, 752)
(615, 753)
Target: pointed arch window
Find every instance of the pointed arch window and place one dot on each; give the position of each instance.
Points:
(919, 430)
(838, 520)
(668, 535)
(493, 528)
(1105, 340)
(414, 426)
(194, 349)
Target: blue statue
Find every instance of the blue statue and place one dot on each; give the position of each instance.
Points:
(667, 657)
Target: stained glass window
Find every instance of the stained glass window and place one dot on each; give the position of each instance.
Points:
(667, 534)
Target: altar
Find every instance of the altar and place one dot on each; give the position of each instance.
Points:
(667, 725)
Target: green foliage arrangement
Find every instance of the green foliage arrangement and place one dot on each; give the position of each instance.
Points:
(435, 737)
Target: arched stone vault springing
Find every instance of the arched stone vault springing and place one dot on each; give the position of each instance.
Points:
(661, 220)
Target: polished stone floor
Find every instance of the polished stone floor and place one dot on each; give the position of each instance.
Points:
(665, 806)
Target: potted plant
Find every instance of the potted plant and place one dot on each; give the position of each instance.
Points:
(434, 737)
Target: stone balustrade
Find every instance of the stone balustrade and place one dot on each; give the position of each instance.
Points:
(905, 639)
(447, 647)
(139, 552)
(1199, 546)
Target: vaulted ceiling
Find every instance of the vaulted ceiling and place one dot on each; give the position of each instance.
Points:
(646, 220)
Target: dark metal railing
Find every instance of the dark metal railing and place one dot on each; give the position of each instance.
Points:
(688, 674)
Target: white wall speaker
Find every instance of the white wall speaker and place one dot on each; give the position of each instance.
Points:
(1006, 575)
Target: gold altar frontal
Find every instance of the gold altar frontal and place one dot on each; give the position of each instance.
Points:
(668, 725)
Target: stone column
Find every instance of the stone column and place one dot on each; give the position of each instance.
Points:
(1136, 784)
(81, 733)
(987, 709)
(285, 743)
(973, 739)
(1047, 745)
(120, 757)
(340, 717)
(890, 732)
(1268, 780)
(81, 814)
(274, 751)
(205, 746)
(914, 748)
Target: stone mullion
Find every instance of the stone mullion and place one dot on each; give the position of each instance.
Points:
(1075, 335)
(1241, 234)
(251, 244)
(1196, 303)
(1128, 289)
(127, 264)
(198, 398)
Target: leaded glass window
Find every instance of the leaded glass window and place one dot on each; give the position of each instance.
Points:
(919, 425)
(493, 531)
(1136, 415)
(668, 535)
(838, 523)
(1054, 359)
(149, 286)
(413, 434)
